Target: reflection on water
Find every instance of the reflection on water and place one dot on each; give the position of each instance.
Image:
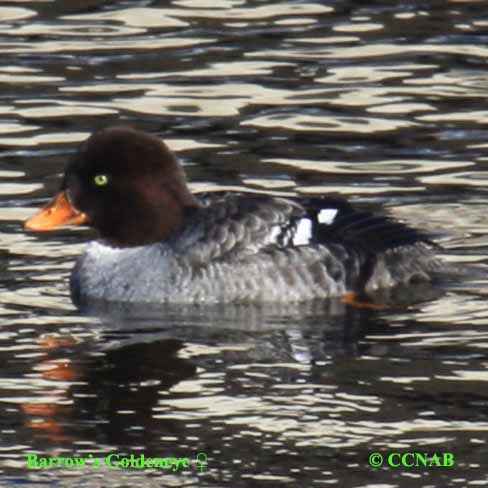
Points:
(384, 103)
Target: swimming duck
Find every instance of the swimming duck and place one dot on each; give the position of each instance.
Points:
(160, 243)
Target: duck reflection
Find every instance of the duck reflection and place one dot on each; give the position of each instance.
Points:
(139, 360)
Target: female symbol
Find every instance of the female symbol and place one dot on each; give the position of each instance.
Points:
(202, 460)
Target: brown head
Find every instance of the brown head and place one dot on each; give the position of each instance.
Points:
(126, 184)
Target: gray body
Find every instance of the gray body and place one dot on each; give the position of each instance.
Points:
(241, 249)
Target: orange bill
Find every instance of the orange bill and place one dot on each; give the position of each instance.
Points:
(57, 213)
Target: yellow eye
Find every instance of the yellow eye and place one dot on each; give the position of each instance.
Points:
(100, 180)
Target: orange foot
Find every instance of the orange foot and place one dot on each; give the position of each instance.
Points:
(355, 300)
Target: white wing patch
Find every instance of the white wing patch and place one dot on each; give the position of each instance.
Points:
(303, 233)
(327, 215)
(273, 235)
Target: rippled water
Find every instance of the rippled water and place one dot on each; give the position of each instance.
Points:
(384, 103)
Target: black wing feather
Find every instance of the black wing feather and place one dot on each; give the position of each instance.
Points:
(362, 230)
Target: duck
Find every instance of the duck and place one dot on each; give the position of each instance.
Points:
(160, 243)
